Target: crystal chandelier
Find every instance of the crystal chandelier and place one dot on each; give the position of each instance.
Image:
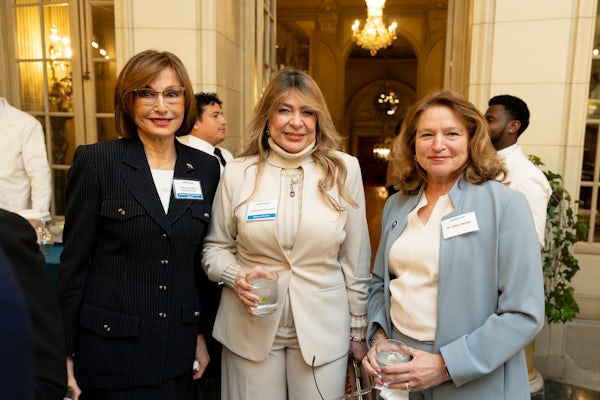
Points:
(374, 35)
(389, 102)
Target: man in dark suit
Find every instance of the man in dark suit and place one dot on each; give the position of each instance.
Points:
(18, 240)
(16, 345)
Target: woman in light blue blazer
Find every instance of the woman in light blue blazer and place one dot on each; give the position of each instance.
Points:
(458, 273)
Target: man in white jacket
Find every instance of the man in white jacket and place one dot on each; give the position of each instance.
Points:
(508, 117)
(25, 180)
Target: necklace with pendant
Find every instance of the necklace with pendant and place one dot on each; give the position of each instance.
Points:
(293, 181)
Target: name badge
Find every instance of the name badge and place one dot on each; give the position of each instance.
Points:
(460, 225)
(262, 210)
(187, 189)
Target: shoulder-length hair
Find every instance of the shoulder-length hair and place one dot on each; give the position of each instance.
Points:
(328, 139)
(482, 163)
(139, 71)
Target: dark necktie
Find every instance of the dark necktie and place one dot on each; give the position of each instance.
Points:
(220, 156)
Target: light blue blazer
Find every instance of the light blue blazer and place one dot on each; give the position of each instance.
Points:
(490, 296)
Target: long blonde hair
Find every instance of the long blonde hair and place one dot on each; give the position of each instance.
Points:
(483, 162)
(328, 139)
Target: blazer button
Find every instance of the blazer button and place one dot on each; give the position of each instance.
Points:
(206, 215)
(165, 235)
(106, 328)
(164, 263)
(121, 211)
(162, 315)
(162, 288)
(196, 313)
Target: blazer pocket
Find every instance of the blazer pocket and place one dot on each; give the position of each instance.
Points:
(202, 212)
(119, 210)
(190, 312)
(109, 324)
(121, 222)
(201, 215)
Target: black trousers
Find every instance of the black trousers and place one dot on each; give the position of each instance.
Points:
(178, 388)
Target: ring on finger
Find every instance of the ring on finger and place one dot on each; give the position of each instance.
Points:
(408, 386)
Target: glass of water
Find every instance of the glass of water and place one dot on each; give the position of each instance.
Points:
(44, 237)
(390, 352)
(264, 285)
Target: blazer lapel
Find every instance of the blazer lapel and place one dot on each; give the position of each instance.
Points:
(184, 169)
(138, 178)
(447, 246)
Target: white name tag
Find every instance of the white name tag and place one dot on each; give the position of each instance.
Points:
(187, 189)
(262, 210)
(459, 225)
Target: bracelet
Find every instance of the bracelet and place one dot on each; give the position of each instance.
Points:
(356, 339)
(378, 334)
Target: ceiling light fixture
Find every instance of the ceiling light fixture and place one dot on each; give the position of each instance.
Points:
(374, 35)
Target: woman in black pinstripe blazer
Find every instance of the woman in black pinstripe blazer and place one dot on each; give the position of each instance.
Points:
(137, 212)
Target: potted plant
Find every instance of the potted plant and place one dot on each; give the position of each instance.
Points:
(559, 264)
(563, 230)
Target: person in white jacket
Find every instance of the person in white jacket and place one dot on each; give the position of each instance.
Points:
(25, 180)
(293, 204)
(508, 117)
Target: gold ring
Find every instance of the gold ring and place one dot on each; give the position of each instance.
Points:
(408, 386)
(237, 279)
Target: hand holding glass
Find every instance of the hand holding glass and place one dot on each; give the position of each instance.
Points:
(264, 285)
(390, 352)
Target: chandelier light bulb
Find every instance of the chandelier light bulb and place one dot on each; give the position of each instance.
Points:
(374, 35)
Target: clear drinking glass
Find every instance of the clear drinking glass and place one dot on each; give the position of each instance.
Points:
(264, 286)
(390, 352)
(44, 237)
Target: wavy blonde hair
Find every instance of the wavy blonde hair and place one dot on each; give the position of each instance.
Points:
(483, 163)
(328, 139)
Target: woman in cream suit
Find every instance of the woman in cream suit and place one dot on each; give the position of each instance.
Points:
(314, 236)
(458, 274)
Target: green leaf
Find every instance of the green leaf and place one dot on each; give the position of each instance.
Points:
(559, 264)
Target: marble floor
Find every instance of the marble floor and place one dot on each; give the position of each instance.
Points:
(559, 391)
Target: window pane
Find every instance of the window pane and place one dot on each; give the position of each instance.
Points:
(105, 77)
(103, 56)
(106, 129)
(32, 85)
(589, 152)
(62, 134)
(29, 45)
(60, 86)
(595, 81)
(57, 32)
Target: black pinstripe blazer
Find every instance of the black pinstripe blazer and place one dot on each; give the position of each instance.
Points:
(127, 280)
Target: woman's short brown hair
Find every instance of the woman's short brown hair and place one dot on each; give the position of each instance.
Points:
(139, 71)
(482, 163)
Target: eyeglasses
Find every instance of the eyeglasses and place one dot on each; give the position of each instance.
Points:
(170, 95)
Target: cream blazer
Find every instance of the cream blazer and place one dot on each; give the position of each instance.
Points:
(326, 274)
